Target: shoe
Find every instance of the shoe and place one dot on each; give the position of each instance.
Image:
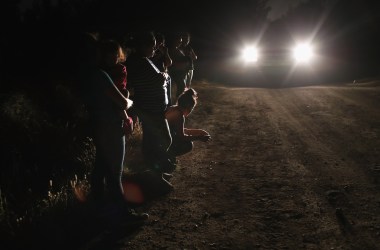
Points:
(173, 160)
(121, 217)
(156, 184)
(163, 166)
(167, 166)
(167, 176)
(166, 185)
(131, 218)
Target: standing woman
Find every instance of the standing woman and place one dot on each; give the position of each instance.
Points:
(104, 103)
(162, 60)
(112, 57)
(180, 63)
(191, 56)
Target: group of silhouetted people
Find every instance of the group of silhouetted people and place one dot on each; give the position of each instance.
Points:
(121, 89)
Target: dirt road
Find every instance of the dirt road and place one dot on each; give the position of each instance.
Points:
(288, 168)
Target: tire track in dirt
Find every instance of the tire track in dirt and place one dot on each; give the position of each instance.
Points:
(261, 177)
(294, 206)
(321, 142)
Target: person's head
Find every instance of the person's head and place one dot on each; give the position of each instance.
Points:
(85, 50)
(144, 43)
(160, 39)
(111, 52)
(185, 38)
(174, 40)
(187, 101)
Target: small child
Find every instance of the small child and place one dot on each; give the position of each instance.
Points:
(111, 62)
(182, 137)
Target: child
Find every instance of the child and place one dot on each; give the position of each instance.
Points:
(182, 137)
(111, 62)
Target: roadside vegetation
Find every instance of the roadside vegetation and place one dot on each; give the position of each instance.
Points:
(46, 160)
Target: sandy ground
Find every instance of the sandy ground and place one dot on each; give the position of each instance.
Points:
(288, 168)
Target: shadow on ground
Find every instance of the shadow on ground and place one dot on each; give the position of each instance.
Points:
(89, 226)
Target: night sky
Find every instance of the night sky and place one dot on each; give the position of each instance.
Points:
(197, 16)
(215, 21)
(346, 29)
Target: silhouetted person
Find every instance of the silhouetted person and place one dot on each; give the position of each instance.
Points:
(112, 56)
(149, 86)
(180, 65)
(191, 56)
(104, 103)
(162, 60)
(182, 137)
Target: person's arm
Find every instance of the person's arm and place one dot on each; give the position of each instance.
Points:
(119, 76)
(198, 134)
(130, 91)
(179, 60)
(192, 54)
(190, 134)
(116, 96)
(167, 59)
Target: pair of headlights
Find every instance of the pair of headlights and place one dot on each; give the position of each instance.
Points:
(302, 53)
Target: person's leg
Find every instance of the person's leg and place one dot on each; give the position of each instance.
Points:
(185, 148)
(110, 146)
(180, 148)
(156, 140)
(169, 91)
(98, 176)
(189, 78)
(147, 136)
(163, 132)
(116, 151)
(180, 86)
(165, 140)
(162, 140)
(179, 79)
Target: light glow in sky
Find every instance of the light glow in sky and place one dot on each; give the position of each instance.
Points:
(281, 7)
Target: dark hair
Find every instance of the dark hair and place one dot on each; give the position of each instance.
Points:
(159, 37)
(112, 47)
(185, 34)
(84, 49)
(188, 99)
(172, 39)
(140, 40)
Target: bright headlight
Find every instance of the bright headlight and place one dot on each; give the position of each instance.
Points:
(250, 54)
(303, 53)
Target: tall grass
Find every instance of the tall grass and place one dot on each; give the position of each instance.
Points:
(45, 156)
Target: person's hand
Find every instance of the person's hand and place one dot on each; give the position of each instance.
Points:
(129, 103)
(205, 138)
(128, 126)
(202, 132)
(166, 75)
